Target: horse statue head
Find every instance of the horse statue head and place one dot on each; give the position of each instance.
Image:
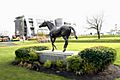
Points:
(47, 24)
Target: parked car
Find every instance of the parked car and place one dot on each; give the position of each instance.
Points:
(4, 38)
(15, 38)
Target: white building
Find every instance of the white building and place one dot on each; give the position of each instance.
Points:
(28, 26)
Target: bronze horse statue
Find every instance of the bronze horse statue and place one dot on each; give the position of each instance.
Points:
(63, 31)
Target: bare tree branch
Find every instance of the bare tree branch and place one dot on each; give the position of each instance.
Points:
(92, 28)
(91, 22)
(95, 23)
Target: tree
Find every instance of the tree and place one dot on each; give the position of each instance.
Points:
(96, 23)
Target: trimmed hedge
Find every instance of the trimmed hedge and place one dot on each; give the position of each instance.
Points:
(28, 53)
(97, 58)
(91, 60)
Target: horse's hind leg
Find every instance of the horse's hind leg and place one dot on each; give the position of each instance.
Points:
(53, 40)
(66, 43)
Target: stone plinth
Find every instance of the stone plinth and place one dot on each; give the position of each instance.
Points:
(53, 56)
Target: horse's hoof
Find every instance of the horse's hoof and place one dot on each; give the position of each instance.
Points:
(76, 37)
(64, 50)
(52, 49)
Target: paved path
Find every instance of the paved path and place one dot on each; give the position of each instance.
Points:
(7, 44)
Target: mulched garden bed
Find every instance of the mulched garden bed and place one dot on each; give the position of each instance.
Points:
(111, 73)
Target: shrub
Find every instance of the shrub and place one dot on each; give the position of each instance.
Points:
(74, 63)
(60, 64)
(41, 34)
(47, 64)
(38, 48)
(32, 39)
(22, 54)
(33, 56)
(28, 53)
(97, 58)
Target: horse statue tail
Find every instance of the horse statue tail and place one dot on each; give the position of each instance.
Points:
(74, 32)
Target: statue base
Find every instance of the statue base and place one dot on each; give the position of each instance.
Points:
(53, 55)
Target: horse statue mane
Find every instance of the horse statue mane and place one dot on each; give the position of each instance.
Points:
(63, 31)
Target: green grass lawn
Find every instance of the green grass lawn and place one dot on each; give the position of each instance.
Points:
(92, 40)
(10, 72)
(118, 79)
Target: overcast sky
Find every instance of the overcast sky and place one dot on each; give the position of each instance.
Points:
(71, 10)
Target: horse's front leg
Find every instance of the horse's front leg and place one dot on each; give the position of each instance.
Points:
(66, 43)
(53, 40)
